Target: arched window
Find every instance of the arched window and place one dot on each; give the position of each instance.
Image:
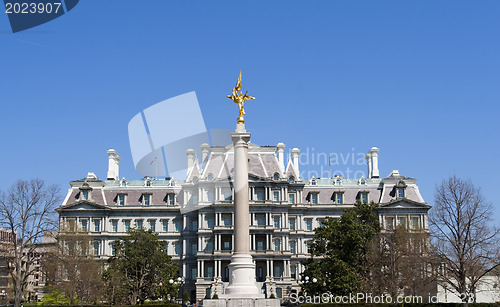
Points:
(276, 177)
(210, 177)
(123, 183)
(313, 181)
(195, 180)
(291, 179)
(148, 183)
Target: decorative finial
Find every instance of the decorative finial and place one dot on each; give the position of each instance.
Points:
(240, 99)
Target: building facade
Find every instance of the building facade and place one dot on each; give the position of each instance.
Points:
(195, 216)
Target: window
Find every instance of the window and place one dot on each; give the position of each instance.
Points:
(194, 199)
(308, 246)
(210, 177)
(210, 196)
(227, 194)
(148, 183)
(113, 249)
(260, 244)
(415, 223)
(277, 245)
(178, 225)
(194, 248)
(97, 225)
(96, 247)
(291, 180)
(402, 221)
(389, 223)
(291, 198)
(314, 198)
(194, 273)
(276, 177)
(338, 181)
(164, 225)
(309, 223)
(85, 194)
(364, 197)
(277, 271)
(276, 196)
(259, 193)
(400, 192)
(276, 222)
(152, 225)
(292, 223)
(126, 224)
(313, 182)
(146, 199)
(194, 225)
(210, 246)
(293, 249)
(121, 199)
(114, 225)
(138, 223)
(171, 199)
(261, 219)
(84, 225)
(227, 220)
(339, 198)
(123, 183)
(210, 271)
(293, 272)
(210, 223)
(362, 181)
(195, 180)
(178, 248)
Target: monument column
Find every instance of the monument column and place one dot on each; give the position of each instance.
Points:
(242, 268)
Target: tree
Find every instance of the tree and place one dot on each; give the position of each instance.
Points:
(141, 269)
(72, 269)
(399, 263)
(338, 251)
(465, 243)
(27, 211)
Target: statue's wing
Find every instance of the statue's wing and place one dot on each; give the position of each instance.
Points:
(238, 83)
(248, 97)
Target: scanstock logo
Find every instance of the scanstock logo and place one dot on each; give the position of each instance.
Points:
(27, 14)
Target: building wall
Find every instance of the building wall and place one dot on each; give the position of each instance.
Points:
(194, 216)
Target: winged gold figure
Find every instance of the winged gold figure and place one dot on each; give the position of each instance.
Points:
(240, 99)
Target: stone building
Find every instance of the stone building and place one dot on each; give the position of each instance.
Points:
(194, 216)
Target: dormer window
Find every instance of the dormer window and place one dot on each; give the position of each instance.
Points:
(313, 181)
(276, 177)
(314, 198)
(171, 199)
(338, 180)
(85, 192)
(210, 177)
(146, 199)
(362, 181)
(121, 198)
(172, 183)
(123, 183)
(400, 189)
(148, 183)
(363, 197)
(339, 198)
(195, 180)
(291, 180)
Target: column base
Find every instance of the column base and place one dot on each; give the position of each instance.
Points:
(242, 278)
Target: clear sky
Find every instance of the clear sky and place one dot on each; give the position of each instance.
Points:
(418, 79)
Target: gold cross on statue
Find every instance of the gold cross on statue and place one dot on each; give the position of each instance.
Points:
(240, 99)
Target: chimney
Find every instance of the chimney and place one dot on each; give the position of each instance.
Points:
(372, 161)
(190, 156)
(205, 151)
(295, 160)
(113, 165)
(281, 158)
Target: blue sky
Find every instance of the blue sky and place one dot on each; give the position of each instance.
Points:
(418, 79)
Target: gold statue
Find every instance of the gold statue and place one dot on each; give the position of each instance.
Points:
(240, 99)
